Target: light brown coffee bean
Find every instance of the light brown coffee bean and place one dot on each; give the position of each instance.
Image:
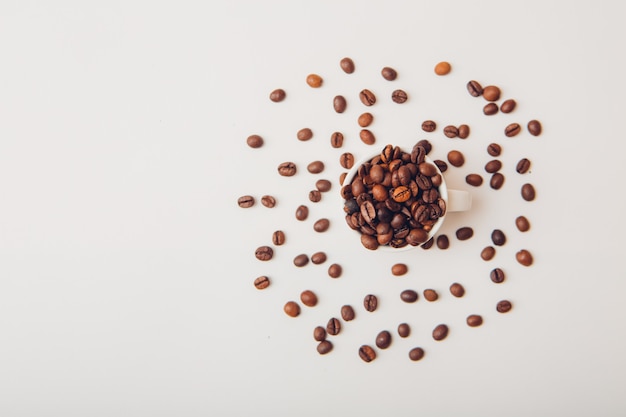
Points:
(347, 313)
(416, 354)
(365, 119)
(321, 225)
(278, 238)
(464, 233)
(443, 68)
(522, 224)
(336, 140)
(367, 97)
(323, 185)
(302, 212)
(488, 253)
(268, 201)
(389, 74)
(534, 127)
(457, 290)
(440, 332)
(491, 93)
(335, 270)
(464, 131)
(278, 95)
(319, 258)
(292, 309)
(474, 180)
(340, 104)
(367, 353)
(504, 306)
(367, 137)
(347, 65)
(262, 282)
(314, 80)
(254, 141)
(508, 106)
(308, 298)
(528, 192)
(301, 260)
(346, 160)
(399, 269)
(304, 134)
(496, 181)
(456, 158)
(315, 167)
(404, 330)
(512, 130)
(474, 320)
(431, 295)
(524, 257)
(246, 201)
(324, 347)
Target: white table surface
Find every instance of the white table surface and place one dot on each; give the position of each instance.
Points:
(126, 266)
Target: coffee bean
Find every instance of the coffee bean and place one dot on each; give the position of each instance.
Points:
(523, 166)
(333, 327)
(493, 166)
(319, 333)
(336, 140)
(346, 160)
(324, 347)
(443, 242)
(254, 141)
(508, 106)
(428, 244)
(491, 93)
(369, 242)
(497, 237)
(264, 253)
(404, 330)
(401, 194)
(456, 158)
(474, 179)
(389, 74)
(474, 320)
(416, 354)
(429, 126)
(457, 290)
(522, 224)
(334, 271)
(262, 282)
(315, 167)
(315, 196)
(442, 68)
(451, 131)
(528, 192)
(347, 313)
(347, 65)
(497, 180)
(268, 201)
(301, 260)
(370, 302)
(342, 177)
(440, 332)
(494, 149)
(278, 95)
(278, 237)
(245, 201)
(464, 131)
(367, 137)
(292, 309)
(314, 80)
(512, 130)
(474, 88)
(497, 275)
(399, 269)
(302, 212)
(504, 306)
(308, 298)
(442, 165)
(534, 127)
(490, 109)
(399, 96)
(464, 233)
(318, 258)
(367, 97)
(367, 353)
(287, 169)
(427, 169)
(383, 340)
(323, 185)
(321, 225)
(524, 257)
(365, 119)
(340, 104)
(488, 253)
(431, 295)
(409, 296)
(424, 143)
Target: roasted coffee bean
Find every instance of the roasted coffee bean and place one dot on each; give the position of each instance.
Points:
(424, 143)
(464, 131)
(440, 332)
(367, 137)
(504, 306)
(347, 65)
(522, 224)
(494, 149)
(490, 109)
(334, 271)
(302, 212)
(292, 309)
(491, 93)
(457, 290)
(389, 74)
(523, 166)
(321, 225)
(464, 233)
(399, 96)
(369, 242)
(304, 134)
(268, 201)
(287, 169)
(336, 140)
(451, 131)
(308, 298)
(497, 275)
(278, 95)
(318, 258)
(245, 201)
(429, 126)
(431, 295)
(365, 119)
(254, 141)
(456, 158)
(383, 340)
(443, 68)
(488, 253)
(367, 97)
(342, 177)
(497, 237)
(474, 320)
(528, 192)
(443, 242)
(367, 353)
(379, 192)
(319, 333)
(370, 302)
(324, 347)
(416, 237)
(428, 244)
(401, 194)
(534, 127)
(315, 167)
(442, 165)
(508, 106)
(496, 181)
(404, 330)
(512, 130)
(493, 166)
(399, 269)
(347, 313)
(340, 104)
(315, 196)
(301, 260)
(524, 257)
(323, 185)
(278, 237)
(409, 296)
(333, 327)
(474, 88)
(474, 179)
(314, 80)
(262, 282)
(346, 160)
(416, 354)
(264, 253)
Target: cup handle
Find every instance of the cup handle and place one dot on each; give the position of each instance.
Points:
(459, 200)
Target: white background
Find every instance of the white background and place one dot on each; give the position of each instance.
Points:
(126, 266)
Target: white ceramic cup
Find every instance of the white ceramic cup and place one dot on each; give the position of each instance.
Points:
(456, 200)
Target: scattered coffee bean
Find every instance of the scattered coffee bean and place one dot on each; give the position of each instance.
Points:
(268, 201)
(254, 141)
(323, 185)
(278, 95)
(340, 104)
(321, 225)
(302, 212)
(278, 237)
(389, 74)
(443, 242)
(522, 224)
(301, 260)
(315, 167)
(524, 257)
(474, 180)
(496, 181)
(315, 196)
(404, 330)
(383, 340)
(346, 160)
(367, 353)
(491, 93)
(399, 269)
(457, 290)
(451, 131)
(318, 258)
(442, 165)
(304, 134)
(308, 298)
(490, 109)
(264, 253)
(464, 131)
(333, 327)
(336, 140)
(347, 65)
(488, 253)
(262, 282)
(287, 169)
(474, 88)
(493, 166)
(314, 80)
(474, 320)
(399, 96)
(508, 106)
(246, 201)
(442, 68)
(440, 332)
(497, 275)
(365, 119)
(431, 295)
(367, 137)
(416, 354)
(456, 158)
(347, 313)
(464, 233)
(370, 302)
(498, 237)
(319, 333)
(528, 192)
(409, 296)
(523, 166)
(367, 97)
(334, 271)
(494, 149)
(324, 347)
(534, 127)
(292, 309)
(504, 306)
(429, 126)
(512, 130)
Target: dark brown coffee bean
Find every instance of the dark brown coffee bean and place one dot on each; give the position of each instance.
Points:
(512, 130)
(508, 106)
(404, 330)
(287, 169)
(522, 224)
(443, 242)
(347, 313)
(292, 309)
(318, 258)
(365, 119)
(333, 327)
(494, 149)
(346, 160)
(464, 131)
(347, 65)
(504, 306)
(389, 74)
(336, 140)
(440, 332)
(399, 96)
(474, 179)
(498, 237)
(528, 192)
(457, 290)
(496, 181)
(451, 131)
(321, 225)
(245, 201)
(315, 167)
(301, 260)
(523, 166)
(488, 253)
(323, 185)
(464, 233)
(399, 269)
(493, 166)
(334, 271)
(442, 165)
(278, 95)
(278, 237)
(367, 353)
(424, 143)
(429, 126)
(319, 333)
(409, 296)
(369, 242)
(367, 137)
(534, 127)
(314, 80)
(474, 320)
(491, 93)
(262, 282)
(497, 275)
(315, 196)
(490, 109)
(383, 340)
(431, 295)
(416, 354)
(456, 158)
(264, 253)
(370, 302)
(474, 88)
(524, 257)
(324, 347)
(367, 97)
(308, 298)
(340, 104)
(268, 201)
(428, 244)
(254, 141)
